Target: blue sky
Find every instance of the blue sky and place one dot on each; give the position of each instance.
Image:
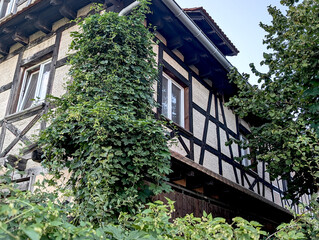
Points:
(239, 19)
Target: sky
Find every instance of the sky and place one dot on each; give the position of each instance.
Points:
(239, 20)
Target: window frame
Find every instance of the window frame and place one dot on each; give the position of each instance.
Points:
(171, 82)
(10, 8)
(40, 90)
(245, 162)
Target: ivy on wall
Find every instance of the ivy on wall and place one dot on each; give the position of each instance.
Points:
(103, 130)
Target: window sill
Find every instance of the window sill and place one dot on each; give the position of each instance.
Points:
(29, 111)
(179, 127)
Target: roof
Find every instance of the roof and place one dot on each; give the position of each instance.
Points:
(200, 16)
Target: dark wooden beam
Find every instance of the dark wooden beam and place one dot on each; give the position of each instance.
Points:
(192, 59)
(4, 50)
(206, 72)
(56, 2)
(168, 19)
(19, 37)
(8, 30)
(5, 87)
(175, 43)
(42, 26)
(67, 12)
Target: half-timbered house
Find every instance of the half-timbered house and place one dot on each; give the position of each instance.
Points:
(192, 59)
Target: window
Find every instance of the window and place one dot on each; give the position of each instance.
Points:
(172, 100)
(246, 162)
(7, 7)
(34, 85)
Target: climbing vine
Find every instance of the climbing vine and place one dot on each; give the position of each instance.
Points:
(103, 134)
(103, 130)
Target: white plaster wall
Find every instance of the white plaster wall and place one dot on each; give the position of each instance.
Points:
(7, 69)
(223, 140)
(177, 146)
(197, 150)
(212, 135)
(161, 38)
(234, 147)
(277, 198)
(200, 94)
(61, 77)
(211, 162)
(268, 194)
(228, 171)
(43, 45)
(198, 124)
(178, 54)
(66, 40)
(15, 47)
(212, 107)
(195, 69)
(36, 36)
(245, 124)
(8, 139)
(220, 115)
(4, 97)
(175, 65)
(85, 10)
(230, 119)
(59, 24)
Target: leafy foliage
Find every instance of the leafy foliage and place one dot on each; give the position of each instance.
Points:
(288, 99)
(104, 134)
(103, 129)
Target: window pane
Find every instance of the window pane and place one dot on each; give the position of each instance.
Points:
(44, 81)
(29, 93)
(3, 10)
(165, 97)
(176, 104)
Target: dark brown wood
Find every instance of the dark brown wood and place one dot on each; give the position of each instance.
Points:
(43, 26)
(22, 133)
(37, 57)
(16, 132)
(4, 50)
(56, 2)
(7, 30)
(15, 86)
(20, 38)
(24, 114)
(2, 135)
(5, 87)
(67, 12)
(52, 71)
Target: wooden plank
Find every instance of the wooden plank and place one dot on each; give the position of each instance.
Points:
(52, 71)
(227, 136)
(206, 124)
(24, 114)
(224, 180)
(5, 87)
(2, 135)
(15, 83)
(16, 132)
(37, 56)
(159, 82)
(23, 132)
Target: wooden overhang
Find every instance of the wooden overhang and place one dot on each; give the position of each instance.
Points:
(194, 177)
(180, 38)
(212, 30)
(38, 16)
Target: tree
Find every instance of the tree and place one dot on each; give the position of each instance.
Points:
(287, 102)
(97, 125)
